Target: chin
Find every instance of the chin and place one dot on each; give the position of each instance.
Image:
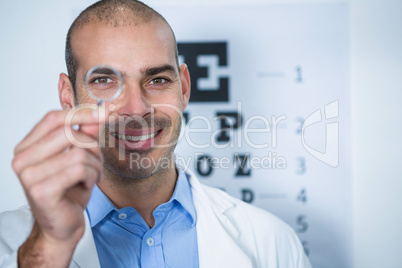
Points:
(125, 172)
(138, 164)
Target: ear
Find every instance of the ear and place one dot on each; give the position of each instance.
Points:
(66, 92)
(185, 84)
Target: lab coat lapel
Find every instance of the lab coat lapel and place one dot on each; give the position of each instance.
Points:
(85, 254)
(216, 234)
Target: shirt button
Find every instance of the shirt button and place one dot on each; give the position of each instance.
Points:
(122, 216)
(150, 242)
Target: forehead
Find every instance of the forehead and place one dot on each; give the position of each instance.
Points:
(129, 46)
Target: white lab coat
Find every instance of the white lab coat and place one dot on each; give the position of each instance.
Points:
(230, 233)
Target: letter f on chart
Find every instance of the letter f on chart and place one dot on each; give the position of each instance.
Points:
(331, 154)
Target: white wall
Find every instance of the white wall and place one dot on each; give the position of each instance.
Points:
(32, 43)
(376, 63)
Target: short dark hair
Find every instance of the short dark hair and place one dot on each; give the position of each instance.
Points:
(113, 12)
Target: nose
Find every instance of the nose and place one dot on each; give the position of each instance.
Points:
(132, 102)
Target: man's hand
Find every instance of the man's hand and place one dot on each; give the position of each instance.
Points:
(57, 179)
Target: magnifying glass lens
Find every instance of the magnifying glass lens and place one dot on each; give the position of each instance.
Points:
(103, 83)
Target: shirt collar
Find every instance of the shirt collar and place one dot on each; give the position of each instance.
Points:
(99, 205)
(183, 194)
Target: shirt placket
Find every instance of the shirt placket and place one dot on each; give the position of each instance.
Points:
(151, 250)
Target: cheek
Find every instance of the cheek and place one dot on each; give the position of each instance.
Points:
(86, 99)
(170, 102)
(172, 111)
(170, 96)
(83, 97)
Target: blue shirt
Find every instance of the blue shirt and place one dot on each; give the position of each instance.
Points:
(123, 239)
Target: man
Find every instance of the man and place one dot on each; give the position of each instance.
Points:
(90, 206)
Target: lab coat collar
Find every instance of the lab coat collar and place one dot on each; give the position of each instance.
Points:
(85, 254)
(218, 237)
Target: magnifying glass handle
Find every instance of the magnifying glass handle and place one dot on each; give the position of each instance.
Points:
(99, 103)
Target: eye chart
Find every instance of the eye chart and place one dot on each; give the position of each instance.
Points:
(268, 119)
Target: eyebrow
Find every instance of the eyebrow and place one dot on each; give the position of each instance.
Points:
(146, 72)
(159, 69)
(105, 70)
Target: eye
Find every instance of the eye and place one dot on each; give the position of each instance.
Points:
(158, 81)
(102, 80)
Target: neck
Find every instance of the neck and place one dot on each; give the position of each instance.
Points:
(144, 195)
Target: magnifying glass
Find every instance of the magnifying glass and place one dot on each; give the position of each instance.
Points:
(103, 83)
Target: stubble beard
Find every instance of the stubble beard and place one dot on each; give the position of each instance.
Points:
(134, 164)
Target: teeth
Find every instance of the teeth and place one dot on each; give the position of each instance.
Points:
(134, 138)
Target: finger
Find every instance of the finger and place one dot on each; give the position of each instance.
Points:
(56, 119)
(34, 174)
(54, 143)
(78, 178)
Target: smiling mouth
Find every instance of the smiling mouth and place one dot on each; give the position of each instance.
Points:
(135, 138)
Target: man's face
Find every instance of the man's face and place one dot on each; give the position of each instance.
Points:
(144, 121)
